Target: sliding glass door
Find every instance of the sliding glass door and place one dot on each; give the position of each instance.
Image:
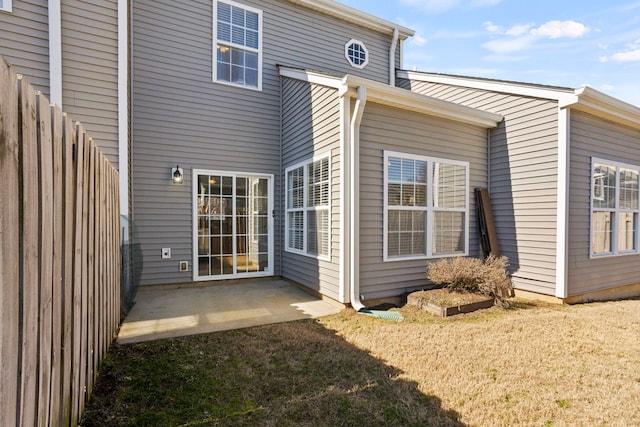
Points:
(233, 225)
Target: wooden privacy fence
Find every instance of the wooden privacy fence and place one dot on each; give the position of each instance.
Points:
(59, 259)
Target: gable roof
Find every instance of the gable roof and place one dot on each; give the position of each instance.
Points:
(584, 98)
(384, 94)
(355, 16)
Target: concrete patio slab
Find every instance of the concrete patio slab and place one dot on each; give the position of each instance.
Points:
(172, 311)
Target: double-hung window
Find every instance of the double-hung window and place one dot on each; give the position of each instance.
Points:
(308, 199)
(614, 208)
(238, 37)
(426, 208)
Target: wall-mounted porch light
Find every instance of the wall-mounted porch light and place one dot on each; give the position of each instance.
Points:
(177, 175)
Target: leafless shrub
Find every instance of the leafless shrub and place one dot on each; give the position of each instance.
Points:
(489, 277)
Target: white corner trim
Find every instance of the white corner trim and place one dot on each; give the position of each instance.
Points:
(562, 221)
(123, 105)
(55, 52)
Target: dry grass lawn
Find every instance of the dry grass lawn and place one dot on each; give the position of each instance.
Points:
(530, 365)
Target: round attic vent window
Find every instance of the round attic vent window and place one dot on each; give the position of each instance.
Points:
(356, 53)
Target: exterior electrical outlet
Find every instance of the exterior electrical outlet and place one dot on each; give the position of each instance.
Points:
(184, 265)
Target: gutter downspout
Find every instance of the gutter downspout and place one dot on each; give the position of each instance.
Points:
(354, 213)
(392, 58)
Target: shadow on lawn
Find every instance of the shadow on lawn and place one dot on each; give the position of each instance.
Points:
(296, 373)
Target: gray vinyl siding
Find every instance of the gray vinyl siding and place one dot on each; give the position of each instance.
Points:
(594, 137)
(523, 178)
(181, 117)
(90, 70)
(385, 128)
(310, 127)
(24, 41)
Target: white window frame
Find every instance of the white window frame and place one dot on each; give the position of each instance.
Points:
(364, 48)
(306, 208)
(616, 210)
(237, 46)
(6, 6)
(429, 208)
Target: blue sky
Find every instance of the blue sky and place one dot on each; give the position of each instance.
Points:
(561, 42)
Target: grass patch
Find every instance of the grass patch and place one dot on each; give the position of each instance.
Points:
(531, 364)
(297, 373)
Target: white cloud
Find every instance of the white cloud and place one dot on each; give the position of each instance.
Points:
(603, 59)
(492, 28)
(518, 30)
(560, 29)
(632, 54)
(629, 56)
(522, 36)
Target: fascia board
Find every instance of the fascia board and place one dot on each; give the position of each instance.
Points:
(604, 106)
(381, 93)
(494, 86)
(355, 16)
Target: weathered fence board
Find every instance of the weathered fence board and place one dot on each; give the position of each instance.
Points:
(45, 185)
(57, 290)
(59, 259)
(9, 247)
(67, 277)
(30, 254)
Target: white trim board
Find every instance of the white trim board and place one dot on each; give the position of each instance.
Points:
(562, 222)
(55, 52)
(123, 106)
